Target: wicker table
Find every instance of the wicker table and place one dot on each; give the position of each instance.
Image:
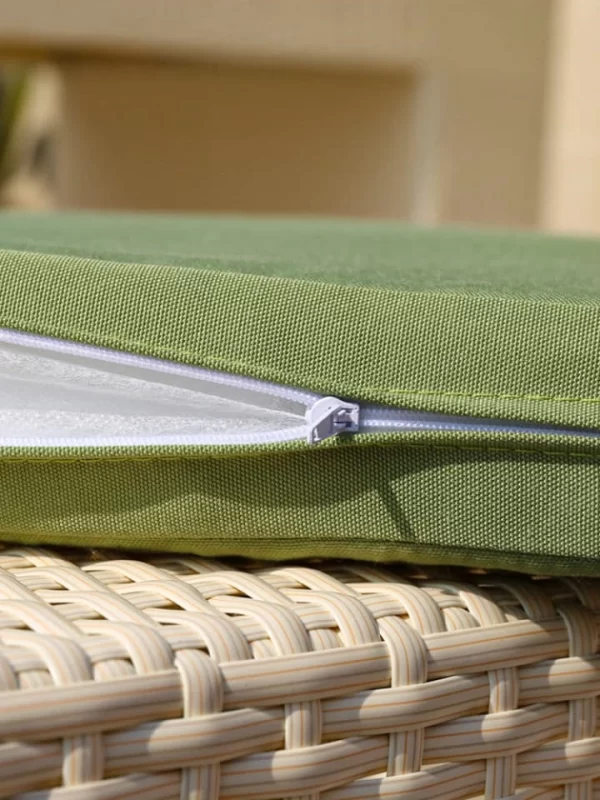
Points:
(169, 677)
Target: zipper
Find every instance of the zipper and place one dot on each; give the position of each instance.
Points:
(240, 410)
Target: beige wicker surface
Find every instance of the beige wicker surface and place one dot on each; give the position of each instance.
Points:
(173, 677)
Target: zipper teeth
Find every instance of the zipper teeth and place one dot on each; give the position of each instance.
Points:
(384, 421)
(372, 418)
(109, 356)
(118, 357)
(197, 440)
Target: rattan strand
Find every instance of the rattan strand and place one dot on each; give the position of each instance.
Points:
(127, 676)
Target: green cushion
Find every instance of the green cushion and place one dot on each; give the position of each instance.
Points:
(486, 324)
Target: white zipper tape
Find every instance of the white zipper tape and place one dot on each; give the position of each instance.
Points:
(324, 417)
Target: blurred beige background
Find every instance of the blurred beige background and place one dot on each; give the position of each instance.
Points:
(433, 111)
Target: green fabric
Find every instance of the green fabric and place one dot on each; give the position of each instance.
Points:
(481, 323)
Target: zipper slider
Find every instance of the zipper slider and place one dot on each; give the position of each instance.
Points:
(330, 416)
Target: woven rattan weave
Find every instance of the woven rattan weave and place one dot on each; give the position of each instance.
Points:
(128, 676)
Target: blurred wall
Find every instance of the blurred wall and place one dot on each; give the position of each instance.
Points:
(435, 111)
(218, 138)
(570, 190)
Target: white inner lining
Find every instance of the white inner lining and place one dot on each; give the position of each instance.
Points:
(81, 395)
(57, 393)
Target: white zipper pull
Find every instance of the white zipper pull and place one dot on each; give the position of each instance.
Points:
(330, 416)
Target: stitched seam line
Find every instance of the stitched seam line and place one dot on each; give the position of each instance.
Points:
(197, 457)
(241, 366)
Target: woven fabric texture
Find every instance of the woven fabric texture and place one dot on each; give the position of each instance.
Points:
(445, 500)
(505, 326)
(175, 677)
